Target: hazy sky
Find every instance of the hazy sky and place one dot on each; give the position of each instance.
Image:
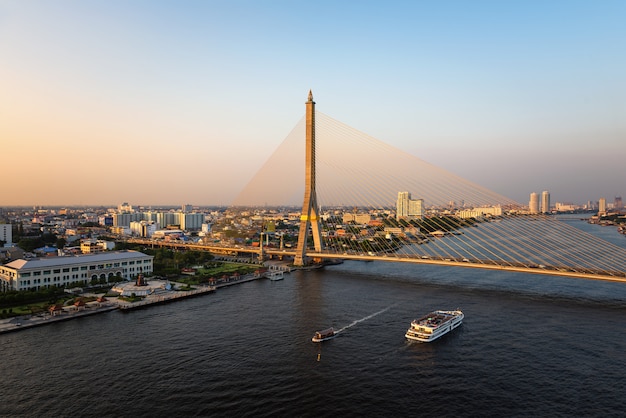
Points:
(171, 102)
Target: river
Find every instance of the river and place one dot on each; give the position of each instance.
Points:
(530, 345)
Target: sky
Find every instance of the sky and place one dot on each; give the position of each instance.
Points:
(172, 102)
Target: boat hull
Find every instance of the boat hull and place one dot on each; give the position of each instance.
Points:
(319, 340)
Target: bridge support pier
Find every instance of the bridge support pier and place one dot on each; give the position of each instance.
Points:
(261, 254)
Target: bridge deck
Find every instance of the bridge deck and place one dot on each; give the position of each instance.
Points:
(563, 271)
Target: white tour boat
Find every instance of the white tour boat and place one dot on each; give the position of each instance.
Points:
(434, 325)
(275, 275)
(324, 335)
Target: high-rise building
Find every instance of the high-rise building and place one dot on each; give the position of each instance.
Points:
(143, 228)
(402, 205)
(191, 221)
(618, 203)
(125, 207)
(602, 205)
(545, 201)
(165, 219)
(124, 219)
(150, 216)
(416, 208)
(533, 204)
(6, 233)
(409, 208)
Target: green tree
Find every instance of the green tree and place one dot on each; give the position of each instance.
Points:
(90, 224)
(48, 238)
(29, 244)
(123, 246)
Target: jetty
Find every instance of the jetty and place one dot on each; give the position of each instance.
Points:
(163, 297)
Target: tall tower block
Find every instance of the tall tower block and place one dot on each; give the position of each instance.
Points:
(310, 211)
(545, 201)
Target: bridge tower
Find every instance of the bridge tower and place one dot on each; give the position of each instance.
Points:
(310, 211)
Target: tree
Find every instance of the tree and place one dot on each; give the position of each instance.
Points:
(29, 245)
(90, 224)
(48, 238)
(120, 245)
(60, 243)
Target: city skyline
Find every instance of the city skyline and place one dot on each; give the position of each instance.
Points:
(159, 103)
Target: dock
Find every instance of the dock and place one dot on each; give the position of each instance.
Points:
(164, 297)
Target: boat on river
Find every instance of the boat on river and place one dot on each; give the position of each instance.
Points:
(324, 335)
(276, 275)
(434, 325)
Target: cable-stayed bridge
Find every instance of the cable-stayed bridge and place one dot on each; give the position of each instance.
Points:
(366, 200)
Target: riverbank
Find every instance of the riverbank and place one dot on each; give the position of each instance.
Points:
(159, 293)
(20, 323)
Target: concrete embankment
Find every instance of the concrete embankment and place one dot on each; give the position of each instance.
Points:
(156, 297)
(19, 323)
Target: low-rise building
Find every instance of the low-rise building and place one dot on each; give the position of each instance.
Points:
(10, 253)
(565, 207)
(358, 218)
(168, 234)
(480, 212)
(90, 246)
(39, 273)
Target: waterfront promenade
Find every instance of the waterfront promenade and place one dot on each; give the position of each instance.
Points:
(23, 322)
(159, 295)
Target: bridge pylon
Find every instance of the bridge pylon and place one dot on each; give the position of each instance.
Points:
(310, 210)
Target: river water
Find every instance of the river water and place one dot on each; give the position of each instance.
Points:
(530, 345)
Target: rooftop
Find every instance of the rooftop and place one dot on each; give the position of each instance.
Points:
(73, 259)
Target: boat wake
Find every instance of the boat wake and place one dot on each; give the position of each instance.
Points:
(362, 319)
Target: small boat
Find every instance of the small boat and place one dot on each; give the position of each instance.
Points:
(324, 335)
(434, 325)
(276, 275)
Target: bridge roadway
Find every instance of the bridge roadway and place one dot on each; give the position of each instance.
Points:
(441, 261)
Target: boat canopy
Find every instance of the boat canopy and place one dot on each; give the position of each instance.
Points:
(325, 332)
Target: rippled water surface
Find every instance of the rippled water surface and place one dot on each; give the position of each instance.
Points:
(530, 345)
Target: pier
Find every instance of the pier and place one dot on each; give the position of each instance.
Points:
(164, 297)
